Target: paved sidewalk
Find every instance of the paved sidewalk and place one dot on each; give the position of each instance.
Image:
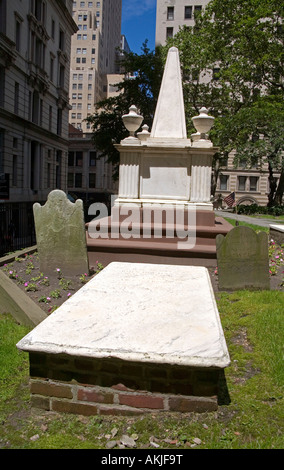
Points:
(251, 220)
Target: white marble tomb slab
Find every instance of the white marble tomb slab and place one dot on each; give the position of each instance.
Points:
(138, 312)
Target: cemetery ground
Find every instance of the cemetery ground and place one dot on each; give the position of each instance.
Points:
(250, 412)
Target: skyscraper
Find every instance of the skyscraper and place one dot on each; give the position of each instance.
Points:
(171, 14)
(93, 55)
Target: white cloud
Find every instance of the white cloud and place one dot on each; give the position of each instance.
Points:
(134, 8)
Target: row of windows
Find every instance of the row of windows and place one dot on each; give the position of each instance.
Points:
(83, 60)
(244, 183)
(79, 96)
(78, 125)
(79, 86)
(85, 16)
(83, 50)
(75, 180)
(84, 4)
(80, 76)
(35, 106)
(76, 158)
(188, 10)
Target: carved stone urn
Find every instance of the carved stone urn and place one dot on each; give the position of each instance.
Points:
(132, 122)
(202, 123)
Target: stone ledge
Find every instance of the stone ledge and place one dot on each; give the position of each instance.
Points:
(13, 300)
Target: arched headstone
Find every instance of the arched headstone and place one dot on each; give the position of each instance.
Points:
(61, 235)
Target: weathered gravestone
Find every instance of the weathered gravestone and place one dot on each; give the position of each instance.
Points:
(242, 257)
(60, 235)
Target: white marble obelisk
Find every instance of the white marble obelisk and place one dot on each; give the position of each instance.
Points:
(164, 165)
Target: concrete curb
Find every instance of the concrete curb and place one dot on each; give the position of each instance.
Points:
(14, 301)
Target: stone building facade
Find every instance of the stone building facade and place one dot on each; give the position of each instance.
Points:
(35, 42)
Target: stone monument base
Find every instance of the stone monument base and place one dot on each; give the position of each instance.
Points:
(151, 237)
(134, 339)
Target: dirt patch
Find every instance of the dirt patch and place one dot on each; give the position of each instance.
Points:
(242, 340)
(47, 291)
(52, 291)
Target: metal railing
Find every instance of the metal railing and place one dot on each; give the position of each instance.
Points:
(17, 230)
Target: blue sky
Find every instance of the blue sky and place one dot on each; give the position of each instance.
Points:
(139, 23)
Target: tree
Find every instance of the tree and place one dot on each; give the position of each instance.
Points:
(140, 86)
(232, 62)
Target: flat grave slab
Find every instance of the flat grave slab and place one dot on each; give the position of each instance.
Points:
(149, 313)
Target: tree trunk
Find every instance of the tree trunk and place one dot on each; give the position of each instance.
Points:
(272, 186)
(280, 190)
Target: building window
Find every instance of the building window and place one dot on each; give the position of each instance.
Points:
(70, 180)
(18, 35)
(224, 182)
(253, 182)
(59, 121)
(2, 85)
(16, 98)
(78, 180)
(170, 13)
(75, 158)
(51, 67)
(187, 13)
(50, 118)
(52, 29)
(15, 168)
(92, 180)
(79, 37)
(93, 159)
(216, 73)
(170, 33)
(197, 10)
(48, 182)
(242, 183)
(61, 76)
(61, 40)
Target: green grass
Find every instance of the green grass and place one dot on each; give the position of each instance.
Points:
(250, 416)
(245, 224)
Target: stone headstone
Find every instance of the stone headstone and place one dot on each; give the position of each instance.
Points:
(61, 235)
(242, 257)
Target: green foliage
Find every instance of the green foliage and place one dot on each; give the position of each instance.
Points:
(140, 86)
(253, 209)
(239, 45)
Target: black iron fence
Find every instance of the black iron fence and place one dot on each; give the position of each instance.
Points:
(17, 229)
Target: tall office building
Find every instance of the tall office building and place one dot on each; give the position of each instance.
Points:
(93, 55)
(171, 14)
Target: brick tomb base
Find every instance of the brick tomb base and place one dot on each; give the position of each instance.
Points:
(88, 386)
